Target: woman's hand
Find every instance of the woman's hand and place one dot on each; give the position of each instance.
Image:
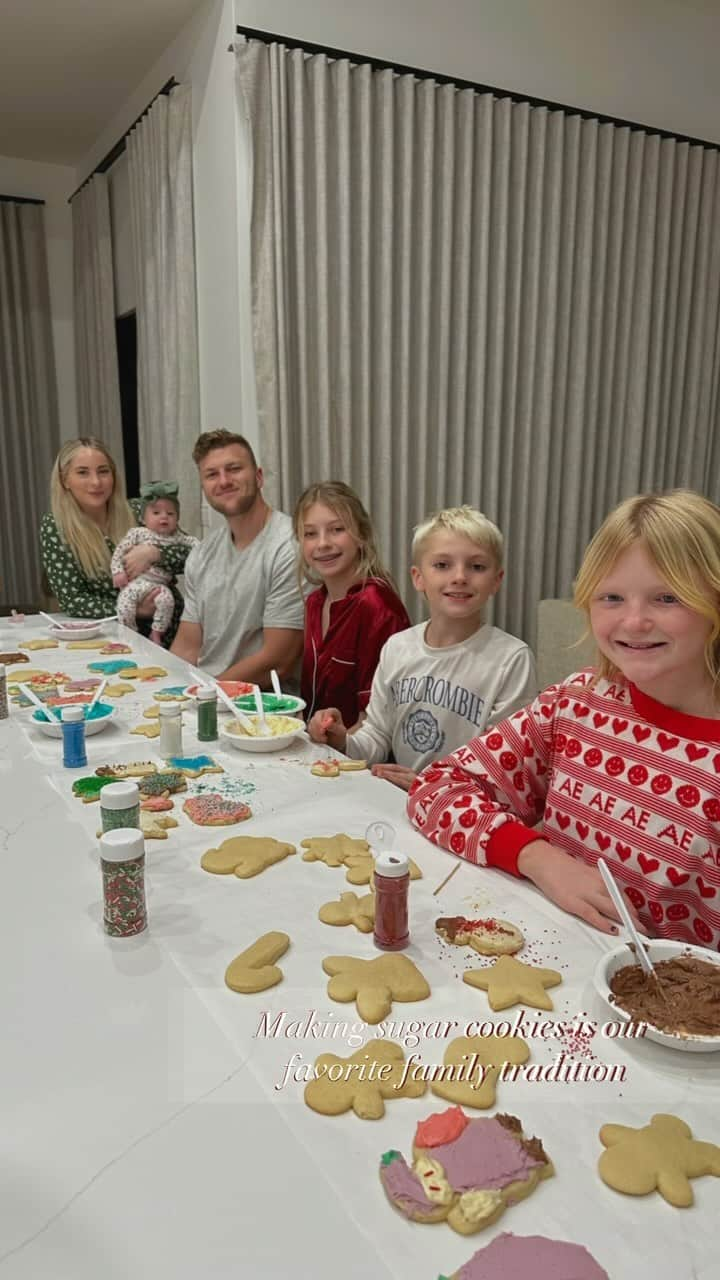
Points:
(327, 727)
(395, 773)
(571, 884)
(139, 559)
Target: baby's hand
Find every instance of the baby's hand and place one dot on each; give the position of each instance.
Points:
(120, 579)
(327, 727)
(395, 773)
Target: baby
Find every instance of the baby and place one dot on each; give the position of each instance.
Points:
(159, 512)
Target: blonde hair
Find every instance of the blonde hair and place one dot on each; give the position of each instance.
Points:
(466, 522)
(343, 500)
(681, 532)
(82, 536)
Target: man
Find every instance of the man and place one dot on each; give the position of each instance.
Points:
(244, 611)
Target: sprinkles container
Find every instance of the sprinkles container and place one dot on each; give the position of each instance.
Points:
(72, 720)
(122, 859)
(170, 729)
(207, 705)
(392, 881)
(120, 806)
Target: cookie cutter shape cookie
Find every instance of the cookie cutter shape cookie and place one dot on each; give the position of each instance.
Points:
(86, 644)
(213, 810)
(350, 909)
(472, 1067)
(489, 937)
(374, 984)
(663, 1156)
(149, 730)
(333, 850)
(511, 1255)
(113, 667)
(8, 659)
(193, 766)
(255, 969)
(154, 827)
(157, 784)
(465, 1172)
(325, 769)
(351, 766)
(508, 981)
(363, 1082)
(117, 690)
(130, 671)
(88, 789)
(156, 804)
(129, 769)
(245, 856)
(171, 693)
(38, 644)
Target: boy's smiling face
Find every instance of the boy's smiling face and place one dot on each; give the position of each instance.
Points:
(457, 576)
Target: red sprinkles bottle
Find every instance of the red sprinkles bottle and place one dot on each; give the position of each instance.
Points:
(122, 859)
(392, 881)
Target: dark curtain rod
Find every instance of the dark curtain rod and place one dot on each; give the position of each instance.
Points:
(119, 147)
(20, 200)
(378, 64)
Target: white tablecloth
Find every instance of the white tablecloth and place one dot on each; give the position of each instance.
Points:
(143, 1129)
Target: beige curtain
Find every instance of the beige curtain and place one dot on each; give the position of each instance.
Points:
(159, 151)
(29, 429)
(460, 298)
(96, 363)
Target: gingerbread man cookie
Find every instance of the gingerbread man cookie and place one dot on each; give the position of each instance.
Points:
(362, 1082)
(194, 766)
(464, 1172)
(255, 969)
(130, 769)
(213, 810)
(350, 910)
(374, 984)
(245, 856)
(489, 937)
(472, 1066)
(663, 1156)
(509, 982)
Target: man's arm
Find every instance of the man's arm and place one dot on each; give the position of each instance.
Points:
(188, 642)
(281, 650)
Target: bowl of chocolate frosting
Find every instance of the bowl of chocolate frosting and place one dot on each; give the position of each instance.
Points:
(680, 1007)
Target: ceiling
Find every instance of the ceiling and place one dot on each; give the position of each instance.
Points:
(67, 66)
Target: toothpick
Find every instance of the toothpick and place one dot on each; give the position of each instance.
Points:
(448, 877)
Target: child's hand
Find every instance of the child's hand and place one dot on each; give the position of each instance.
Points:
(327, 726)
(395, 773)
(120, 579)
(571, 884)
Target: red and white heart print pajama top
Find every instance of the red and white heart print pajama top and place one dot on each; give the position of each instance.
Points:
(602, 770)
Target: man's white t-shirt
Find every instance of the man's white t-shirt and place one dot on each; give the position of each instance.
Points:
(234, 595)
(427, 702)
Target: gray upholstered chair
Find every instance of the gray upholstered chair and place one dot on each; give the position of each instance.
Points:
(559, 628)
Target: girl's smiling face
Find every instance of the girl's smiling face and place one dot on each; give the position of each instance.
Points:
(329, 546)
(655, 640)
(89, 478)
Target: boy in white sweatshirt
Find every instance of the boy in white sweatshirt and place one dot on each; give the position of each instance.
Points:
(441, 683)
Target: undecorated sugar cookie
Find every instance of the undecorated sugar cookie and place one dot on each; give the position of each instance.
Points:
(255, 969)
(374, 984)
(362, 1082)
(663, 1156)
(245, 856)
(154, 827)
(350, 910)
(509, 982)
(472, 1065)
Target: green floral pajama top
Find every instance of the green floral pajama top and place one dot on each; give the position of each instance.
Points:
(83, 597)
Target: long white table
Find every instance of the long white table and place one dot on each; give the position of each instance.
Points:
(143, 1130)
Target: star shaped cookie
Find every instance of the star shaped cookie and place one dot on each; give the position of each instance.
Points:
(508, 981)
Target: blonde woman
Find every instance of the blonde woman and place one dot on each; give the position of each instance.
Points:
(621, 761)
(89, 516)
(355, 609)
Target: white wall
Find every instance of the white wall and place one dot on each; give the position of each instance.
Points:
(53, 183)
(651, 61)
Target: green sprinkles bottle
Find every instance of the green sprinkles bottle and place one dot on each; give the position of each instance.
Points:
(207, 725)
(122, 859)
(120, 806)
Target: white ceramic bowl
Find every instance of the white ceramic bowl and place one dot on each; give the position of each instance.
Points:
(657, 949)
(53, 728)
(88, 632)
(243, 742)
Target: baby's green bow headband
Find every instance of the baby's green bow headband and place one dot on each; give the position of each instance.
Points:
(159, 489)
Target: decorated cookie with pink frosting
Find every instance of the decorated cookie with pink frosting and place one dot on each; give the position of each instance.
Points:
(512, 1256)
(464, 1172)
